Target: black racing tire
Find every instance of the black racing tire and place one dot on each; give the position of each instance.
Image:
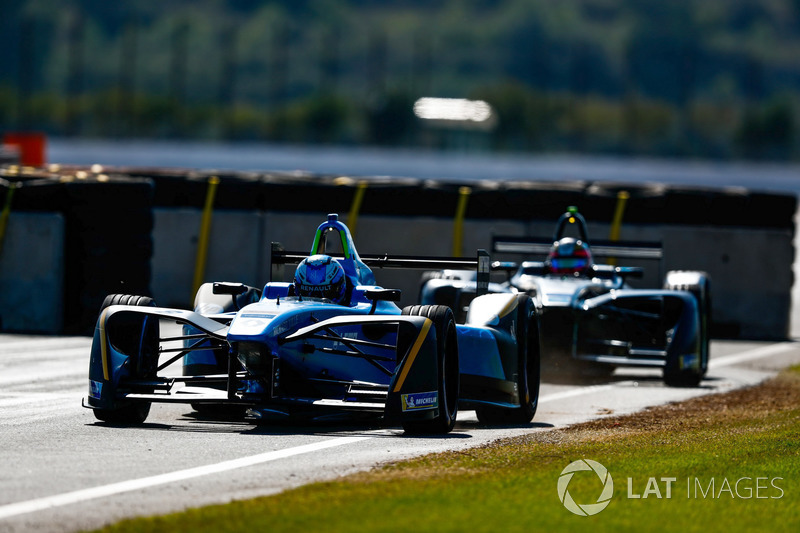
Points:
(129, 413)
(528, 374)
(701, 289)
(448, 377)
(127, 299)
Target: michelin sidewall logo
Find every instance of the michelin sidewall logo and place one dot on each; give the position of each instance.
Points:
(421, 400)
(585, 509)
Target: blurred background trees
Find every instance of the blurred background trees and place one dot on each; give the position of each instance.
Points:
(683, 78)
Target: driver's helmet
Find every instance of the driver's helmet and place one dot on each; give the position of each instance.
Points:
(320, 276)
(569, 256)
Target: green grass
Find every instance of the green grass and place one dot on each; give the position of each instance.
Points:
(512, 485)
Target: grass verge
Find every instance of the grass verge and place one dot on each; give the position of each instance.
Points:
(715, 463)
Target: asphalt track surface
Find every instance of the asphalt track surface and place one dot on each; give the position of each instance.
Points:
(64, 471)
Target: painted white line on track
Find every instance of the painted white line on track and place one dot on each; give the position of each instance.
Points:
(756, 353)
(580, 392)
(40, 504)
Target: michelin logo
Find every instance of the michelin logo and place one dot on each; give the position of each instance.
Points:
(420, 400)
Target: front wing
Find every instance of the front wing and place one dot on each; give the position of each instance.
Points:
(134, 348)
(636, 327)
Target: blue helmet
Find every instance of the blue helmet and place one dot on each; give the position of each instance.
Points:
(320, 276)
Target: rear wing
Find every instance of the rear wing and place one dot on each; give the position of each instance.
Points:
(537, 246)
(481, 263)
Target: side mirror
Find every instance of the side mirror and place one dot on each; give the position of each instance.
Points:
(385, 295)
(631, 272)
(224, 287)
(505, 266)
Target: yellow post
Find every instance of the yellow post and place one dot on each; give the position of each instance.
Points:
(458, 223)
(6, 212)
(352, 216)
(616, 223)
(205, 231)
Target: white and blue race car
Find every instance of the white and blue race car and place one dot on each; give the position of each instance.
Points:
(285, 351)
(591, 319)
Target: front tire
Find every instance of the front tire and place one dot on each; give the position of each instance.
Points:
(699, 284)
(146, 339)
(448, 370)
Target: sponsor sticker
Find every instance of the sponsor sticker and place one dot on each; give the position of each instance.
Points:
(95, 389)
(420, 400)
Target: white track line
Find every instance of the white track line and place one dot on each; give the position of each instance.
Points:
(755, 353)
(49, 502)
(579, 392)
(77, 496)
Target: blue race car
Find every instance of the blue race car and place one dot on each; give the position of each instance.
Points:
(328, 343)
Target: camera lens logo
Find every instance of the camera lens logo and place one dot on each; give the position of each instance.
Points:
(587, 509)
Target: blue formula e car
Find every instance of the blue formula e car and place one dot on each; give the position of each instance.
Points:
(592, 320)
(328, 343)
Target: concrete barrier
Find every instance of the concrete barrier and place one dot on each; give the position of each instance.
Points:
(31, 274)
(235, 252)
(751, 269)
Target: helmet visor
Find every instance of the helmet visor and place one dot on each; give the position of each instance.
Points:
(569, 263)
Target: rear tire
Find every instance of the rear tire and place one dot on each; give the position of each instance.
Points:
(448, 370)
(528, 373)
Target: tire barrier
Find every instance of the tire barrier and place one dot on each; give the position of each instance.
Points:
(5, 211)
(108, 244)
(650, 203)
(524, 200)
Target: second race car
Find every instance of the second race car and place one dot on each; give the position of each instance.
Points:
(591, 319)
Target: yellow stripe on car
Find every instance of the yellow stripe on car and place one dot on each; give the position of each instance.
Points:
(510, 306)
(412, 354)
(104, 344)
